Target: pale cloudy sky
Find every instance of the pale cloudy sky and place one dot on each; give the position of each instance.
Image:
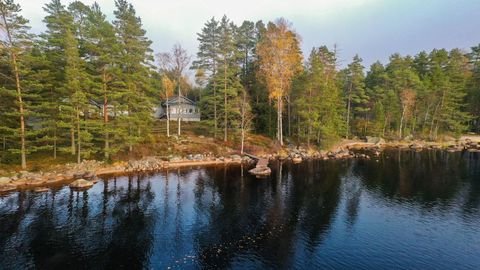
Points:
(372, 28)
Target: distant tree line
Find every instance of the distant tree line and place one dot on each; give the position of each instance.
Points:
(422, 96)
(88, 87)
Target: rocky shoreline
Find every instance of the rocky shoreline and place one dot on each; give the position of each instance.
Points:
(90, 170)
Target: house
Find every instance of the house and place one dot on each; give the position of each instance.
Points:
(179, 107)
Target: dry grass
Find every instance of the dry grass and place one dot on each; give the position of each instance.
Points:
(197, 138)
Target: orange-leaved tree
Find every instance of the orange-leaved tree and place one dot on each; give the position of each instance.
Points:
(280, 59)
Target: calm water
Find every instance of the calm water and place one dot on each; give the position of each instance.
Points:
(407, 210)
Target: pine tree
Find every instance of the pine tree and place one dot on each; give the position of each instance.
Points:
(376, 89)
(78, 101)
(16, 43)
(208, 61)
(318, 98)
(453, 117)
(354, 87)
(228, 69)
(102, 53)
(473, 96)
(57, 112)
(404, 82)
(135, 110)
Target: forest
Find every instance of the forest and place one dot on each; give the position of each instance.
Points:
(87, 86)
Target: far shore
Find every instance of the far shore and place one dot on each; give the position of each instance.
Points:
(91, 170)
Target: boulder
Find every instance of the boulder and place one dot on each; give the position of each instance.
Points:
(4, 180)
(198, 157)
(408, 137)
(81, 184)
(175, 159)
(375, 140)
(236, 157)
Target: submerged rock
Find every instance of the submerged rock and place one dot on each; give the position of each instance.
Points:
(261, 171)
(296, 160)
(81, 183)
(40, 189)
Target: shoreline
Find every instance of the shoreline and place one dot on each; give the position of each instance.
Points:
(91, 169)
(46, 180)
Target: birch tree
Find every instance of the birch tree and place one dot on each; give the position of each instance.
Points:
(279, 61)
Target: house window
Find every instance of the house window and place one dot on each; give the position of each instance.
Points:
(190, 111)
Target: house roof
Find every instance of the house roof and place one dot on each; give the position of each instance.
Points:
(175, 100)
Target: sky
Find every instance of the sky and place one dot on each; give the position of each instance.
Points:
(374, 29)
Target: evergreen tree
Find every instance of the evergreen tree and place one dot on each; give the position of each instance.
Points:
(318, 98)
(57, 111)
(14, 45)
(473, 97)
(102, 53)
(207, 61)
(354, 87)
(376, 89)
(404, 82)
(78, 101)
(227, 76)
(453, 117)
(135, 110)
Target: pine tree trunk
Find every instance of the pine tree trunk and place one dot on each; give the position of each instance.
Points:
(434, 116)
(105, 117)
(225, 101)
(384, 126)
(348, 109)
(72, 140)
(215, 108)
(79, 149)
(55, 144)
(401, 123)
(23, 150)
(425, 118)
(243, 123)
(309, 130)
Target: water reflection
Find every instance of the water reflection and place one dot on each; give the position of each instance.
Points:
(403, 209)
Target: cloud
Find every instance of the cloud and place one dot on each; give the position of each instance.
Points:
(372, 28)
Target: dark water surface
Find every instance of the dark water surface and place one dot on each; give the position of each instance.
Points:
(404, 211)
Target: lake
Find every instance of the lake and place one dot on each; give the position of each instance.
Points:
(402, 210)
